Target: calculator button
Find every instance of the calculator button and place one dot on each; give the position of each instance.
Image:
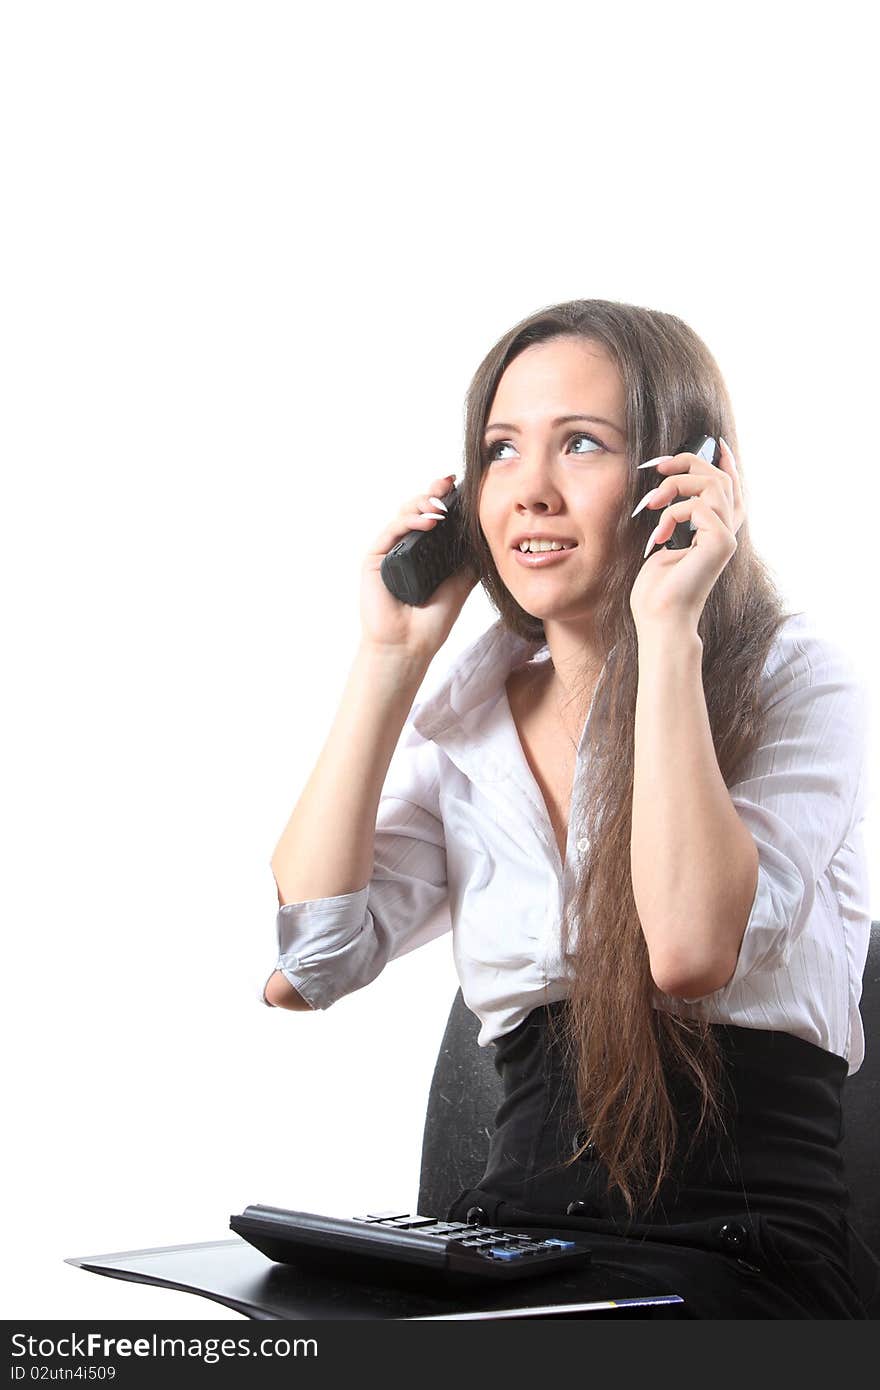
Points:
(505, 1252)
(560, 1244)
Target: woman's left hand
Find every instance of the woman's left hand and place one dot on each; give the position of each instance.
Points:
(672, 585)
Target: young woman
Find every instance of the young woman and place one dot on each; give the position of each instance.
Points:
(636, 803)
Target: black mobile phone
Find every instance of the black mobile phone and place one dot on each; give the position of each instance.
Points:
(414, 567)
(707, 448)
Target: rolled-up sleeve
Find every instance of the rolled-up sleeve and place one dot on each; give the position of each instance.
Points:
(329, 947)
(798, 794)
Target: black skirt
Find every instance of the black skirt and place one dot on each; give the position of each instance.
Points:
(752, 1224)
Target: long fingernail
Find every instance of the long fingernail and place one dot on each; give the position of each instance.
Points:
(438, 516)
(661, 458)
(730, 451)
(650, 546)
(438, 502)
(645, 500)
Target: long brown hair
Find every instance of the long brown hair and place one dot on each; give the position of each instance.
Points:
(622, 1050)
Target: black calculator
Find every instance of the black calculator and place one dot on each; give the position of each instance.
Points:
(386, 1243)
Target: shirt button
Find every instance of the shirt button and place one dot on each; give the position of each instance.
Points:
(733, 1236)
(581, 1209)
(476, 1216)
(582, 1137)
(583, 844)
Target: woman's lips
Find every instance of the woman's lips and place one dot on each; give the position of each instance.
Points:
(542, 558)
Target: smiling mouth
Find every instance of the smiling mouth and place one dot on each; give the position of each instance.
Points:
(542, 547)
(541, 559)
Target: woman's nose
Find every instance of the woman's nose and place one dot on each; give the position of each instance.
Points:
(536, 488)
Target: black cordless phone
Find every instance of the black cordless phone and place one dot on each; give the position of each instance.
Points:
(414, 567)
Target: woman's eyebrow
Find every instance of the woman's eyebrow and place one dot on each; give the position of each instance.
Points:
(561, 420)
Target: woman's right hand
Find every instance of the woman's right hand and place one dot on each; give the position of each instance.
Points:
(386, 621)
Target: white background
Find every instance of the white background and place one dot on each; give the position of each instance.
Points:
(253, 254)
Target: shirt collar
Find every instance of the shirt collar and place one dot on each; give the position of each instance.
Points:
(479, 675)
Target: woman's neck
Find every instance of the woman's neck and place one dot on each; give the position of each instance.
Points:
(565, 701)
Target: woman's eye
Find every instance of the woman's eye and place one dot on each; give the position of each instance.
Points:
(590, 438)
(506, 444)
(492, 449)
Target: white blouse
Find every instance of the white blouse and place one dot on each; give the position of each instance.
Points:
(464, 844)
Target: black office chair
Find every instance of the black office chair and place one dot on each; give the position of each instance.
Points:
(466, 1092)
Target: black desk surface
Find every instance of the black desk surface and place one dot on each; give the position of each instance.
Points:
(234, 1273)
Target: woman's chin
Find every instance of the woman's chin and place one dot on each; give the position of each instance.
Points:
(545, 612)
(559, 607)
(556, 601)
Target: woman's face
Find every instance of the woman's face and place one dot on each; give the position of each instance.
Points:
(545, 476)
